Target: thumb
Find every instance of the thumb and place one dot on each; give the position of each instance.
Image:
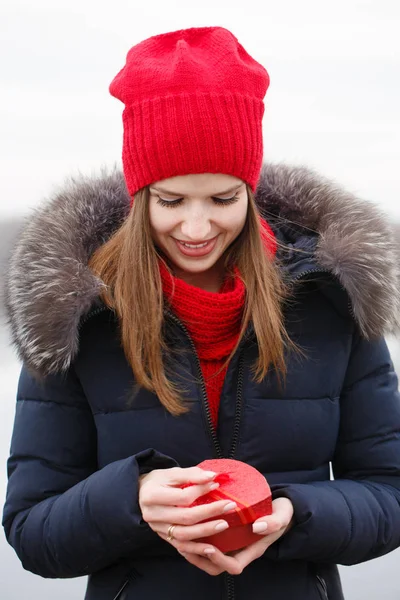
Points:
(282, 514)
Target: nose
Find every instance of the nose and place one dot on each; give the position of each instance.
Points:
(196, 226)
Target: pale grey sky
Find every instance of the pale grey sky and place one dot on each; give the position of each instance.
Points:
(333, 104)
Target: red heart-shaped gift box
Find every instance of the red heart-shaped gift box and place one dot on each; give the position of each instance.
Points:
(244, 485)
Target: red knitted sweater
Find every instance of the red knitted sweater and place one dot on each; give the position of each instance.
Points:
(213, 320)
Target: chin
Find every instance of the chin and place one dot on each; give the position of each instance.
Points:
(194, 268)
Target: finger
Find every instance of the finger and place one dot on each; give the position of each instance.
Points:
(184, 533)
(266, 525)
(178, 476)
(187, 516)
(261, 526)
(198, 548)
(203, 563)
(283, 507)
(166, 495)
(254, 551)
(227, 563)
(247, 555)
(221, 561)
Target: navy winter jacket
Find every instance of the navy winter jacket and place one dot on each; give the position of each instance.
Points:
(80, 442)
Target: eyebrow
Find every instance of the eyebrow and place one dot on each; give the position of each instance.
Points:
(169, 193)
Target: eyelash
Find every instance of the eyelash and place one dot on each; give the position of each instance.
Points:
(219, 201)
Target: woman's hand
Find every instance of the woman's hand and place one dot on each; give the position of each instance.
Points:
(163, 504)
(271, 528)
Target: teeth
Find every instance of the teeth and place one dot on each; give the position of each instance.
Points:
(194, 245)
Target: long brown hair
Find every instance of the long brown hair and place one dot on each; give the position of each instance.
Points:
(128, 265)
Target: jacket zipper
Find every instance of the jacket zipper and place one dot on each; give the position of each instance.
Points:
(316, 270)
(238, 408)
(230, 585)
(92, 313)
(120, 595)
(205, 405)
(321, 584)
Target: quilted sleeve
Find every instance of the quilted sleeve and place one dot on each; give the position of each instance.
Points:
(63, 517)
(356, 517)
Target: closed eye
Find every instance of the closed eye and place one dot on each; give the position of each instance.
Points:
(226, 201)
(169, 203)
(216, 199)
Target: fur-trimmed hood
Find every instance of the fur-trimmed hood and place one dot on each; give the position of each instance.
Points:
(49, 287)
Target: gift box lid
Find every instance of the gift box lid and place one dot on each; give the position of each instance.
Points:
(242, 484)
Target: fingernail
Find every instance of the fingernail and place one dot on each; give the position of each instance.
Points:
(209, 551)
(214, 486)
(260, 527)
(221, 526)
(210, 474)
(230, 506)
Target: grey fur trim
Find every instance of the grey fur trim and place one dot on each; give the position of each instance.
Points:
(356, 242)
(49, 286)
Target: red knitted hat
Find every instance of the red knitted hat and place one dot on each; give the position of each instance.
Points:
(193, 104)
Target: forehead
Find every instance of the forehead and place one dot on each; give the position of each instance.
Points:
(199, 184)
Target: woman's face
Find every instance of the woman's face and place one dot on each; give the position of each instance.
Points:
(194, 218)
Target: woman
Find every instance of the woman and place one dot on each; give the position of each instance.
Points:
(202, 306)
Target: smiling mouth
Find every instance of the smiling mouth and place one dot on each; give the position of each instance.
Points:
(201, 245)
(196, 248)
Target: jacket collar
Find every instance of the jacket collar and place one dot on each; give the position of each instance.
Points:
(49, 287)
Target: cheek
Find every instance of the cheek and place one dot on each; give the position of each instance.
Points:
(161, 222)
(235, 222)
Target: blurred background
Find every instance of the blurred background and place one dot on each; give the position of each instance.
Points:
(333, 104)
